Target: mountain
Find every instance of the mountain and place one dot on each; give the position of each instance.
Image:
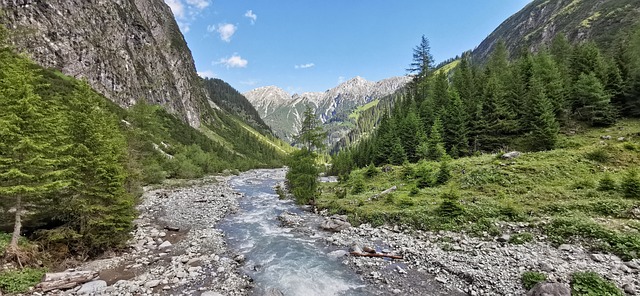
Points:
(126, 50)
(535, 26)
(335, 107)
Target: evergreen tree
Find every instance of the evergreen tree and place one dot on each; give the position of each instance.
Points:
(398, 155)
(455, 127)
(410, 133)
(311, 136)
(31, 145)
(422, 64)
(435, 146)
(590, 102)
(543, 126)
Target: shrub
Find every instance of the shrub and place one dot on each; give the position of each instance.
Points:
(280, 192)
(631, 185)
(607, 183)
(414, 191)
(521, 238)
(405, 202)
(531, 278)
(371, 171)
(358, 186)
(407, 171)
(444, 174)
(153, 173)
(450, 207)
(598, 155)
(592, 284)
(19, 281)
(583, 184)
(341, 193)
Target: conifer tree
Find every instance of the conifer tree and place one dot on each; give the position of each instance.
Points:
(410, 133)
(311, 135)
(435, 146)
(455, 127)
(421, 66)
(543, 125)
(590, 101)
(31, 143)
(398, 155)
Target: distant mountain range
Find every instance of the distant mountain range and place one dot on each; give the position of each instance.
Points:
(335, 107)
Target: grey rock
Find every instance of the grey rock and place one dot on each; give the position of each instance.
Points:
(632, 265)
(550, 289)
(164, 245)
(564, 247)
(504, 238)
(240, 258)
(621, 139)
(607, 137)
(210, 293)
(273, 292)
(629, 288)
(288, 219)
(152, 284)
(92, 287)
(337, 254)
(545, 266)
(511, 155)
(335, 223)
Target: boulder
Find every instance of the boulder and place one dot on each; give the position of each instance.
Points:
(288, 219)
(210, 293)
(152, 284)
(511, 155)
(273, 292)
(164, 245)
(92, 287)
(335, 223)
(550, 289)
(605, 137)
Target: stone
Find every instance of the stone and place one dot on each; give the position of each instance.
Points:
(597, 257)
(335, 223)
(511, 155)
(181, 274)
(504, 238)
(369, 250)
(550, 289)
(210, 293)
(545, 266)
(621, 139)
(564, 247)
(164, 245)
(607, 137)
(288, 219)
(629, 288)
(240, 258)
(337, 254)
(152, 284)
(273, 292)
(92, 287)
(632, 265)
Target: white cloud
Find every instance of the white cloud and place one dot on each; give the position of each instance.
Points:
(207, 74)
(235, 61)
(186, 11)
(200, 4)
(305, 66)
(211, 28)
(226, 31)
(252, 16)
(176, 7)
(250, 82)
(341, 79)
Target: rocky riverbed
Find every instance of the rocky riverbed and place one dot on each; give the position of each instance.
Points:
(470, 265)
(176, 248)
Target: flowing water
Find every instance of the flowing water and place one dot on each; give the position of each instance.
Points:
(294, 262)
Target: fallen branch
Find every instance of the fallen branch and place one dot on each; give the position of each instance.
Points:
(390, 190)
(65, 280)
(176, 229)
(357, 254)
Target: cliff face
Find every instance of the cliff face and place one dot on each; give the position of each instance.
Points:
(128, 50)
(535, 26)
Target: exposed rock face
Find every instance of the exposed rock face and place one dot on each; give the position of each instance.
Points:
(284, 112)
(128, 50)
(540, 21)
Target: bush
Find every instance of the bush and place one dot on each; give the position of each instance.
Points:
(358, 186)
(341, 193)
(531, 278)
(631, 185)
(19, 281)
(450, 207)
(444, 174)
(521, 238)
(592, 284)
(405, 202)
(153, 173)
(583, 184)
(407, 171)
(598, 155)
(607, 183)
(414, 191)
(371, 171)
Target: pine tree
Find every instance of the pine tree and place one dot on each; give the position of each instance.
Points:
(455, 127)
(590, 101)
(410, 132)
(311, 135)
(435, 145)
(398, 155)
(543, 125)
(31, 161)
(422, 64)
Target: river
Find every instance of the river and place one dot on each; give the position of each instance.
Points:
(291, 261)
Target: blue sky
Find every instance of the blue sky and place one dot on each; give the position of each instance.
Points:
(303, 45)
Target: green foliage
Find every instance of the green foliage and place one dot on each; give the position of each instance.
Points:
(521, 238)
(281, 192)
(341, 193)
(607, 183)
(592, 284)
(531, 278)
(444, 173)
(358, 186)
(414, 191)
(19, 281)
(599, 155)
(371, 171)
(302, 176)
(630, 185)
(450, 206)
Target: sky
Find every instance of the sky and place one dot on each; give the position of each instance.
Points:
(303, 45)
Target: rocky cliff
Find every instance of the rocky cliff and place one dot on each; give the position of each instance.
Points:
(128, 50)
(540, 21)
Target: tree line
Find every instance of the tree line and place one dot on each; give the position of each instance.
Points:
(502, 104)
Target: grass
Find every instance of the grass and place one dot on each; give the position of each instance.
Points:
(19, 281)
(558, 187)
(356, 113)
(448, 67)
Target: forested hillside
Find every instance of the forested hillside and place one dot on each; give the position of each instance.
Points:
(72, 163)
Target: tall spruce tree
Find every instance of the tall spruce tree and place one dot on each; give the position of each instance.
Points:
(421, 67)
(456, 127)
(591, 102)
(311, 135)
(32, 165)
(543, 125)
(435, 145)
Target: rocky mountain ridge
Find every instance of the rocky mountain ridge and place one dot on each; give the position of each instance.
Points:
(283, 112)
(127, 50)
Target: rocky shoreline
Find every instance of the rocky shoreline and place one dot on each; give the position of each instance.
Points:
(176, 248)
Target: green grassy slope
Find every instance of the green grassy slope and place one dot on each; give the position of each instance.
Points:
(555, 191)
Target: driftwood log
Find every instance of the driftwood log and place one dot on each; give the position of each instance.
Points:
(390, 190)
(65, 280)
(357, 254)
